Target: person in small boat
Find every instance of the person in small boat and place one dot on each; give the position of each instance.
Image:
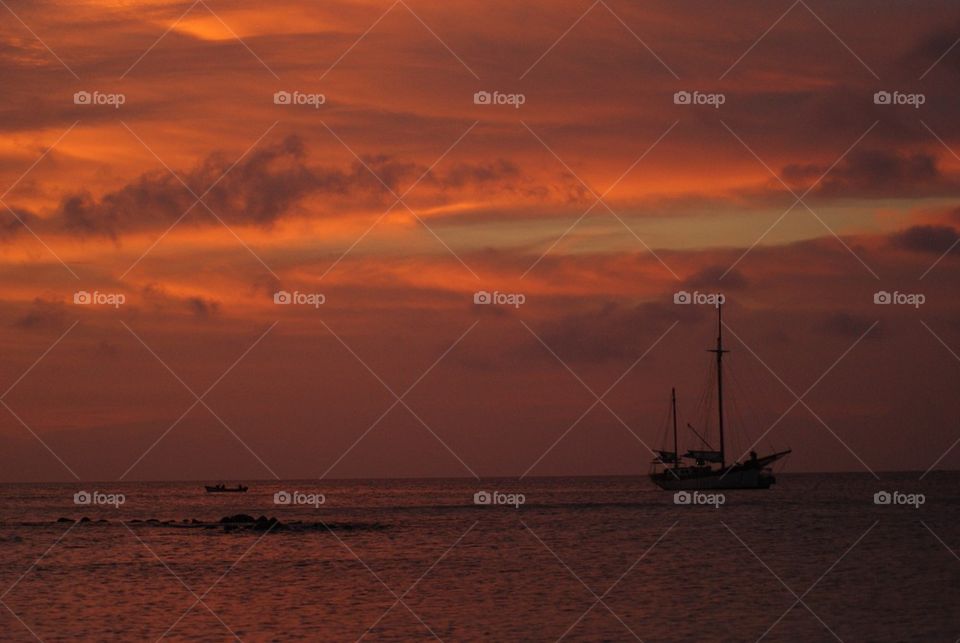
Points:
(753, 459)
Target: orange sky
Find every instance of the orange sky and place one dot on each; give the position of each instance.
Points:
(399, 197)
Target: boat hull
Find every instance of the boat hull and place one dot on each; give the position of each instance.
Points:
(737, 479)
(753, 474)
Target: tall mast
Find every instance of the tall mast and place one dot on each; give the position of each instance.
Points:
(676, 453)
(719, 351)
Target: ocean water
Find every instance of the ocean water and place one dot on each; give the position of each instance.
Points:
(592, 559)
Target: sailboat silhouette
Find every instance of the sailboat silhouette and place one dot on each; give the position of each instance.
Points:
(670, 472)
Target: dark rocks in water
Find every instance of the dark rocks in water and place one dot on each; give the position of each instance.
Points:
(249, 523)
(245, 521)
(238, 522)
(263, 523)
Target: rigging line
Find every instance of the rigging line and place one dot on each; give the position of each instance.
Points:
(702, 412)
(740, 407)
(702, 439)
(765, 394)
(709, 396)
(738, 410)
(665, 427)
(703, 403)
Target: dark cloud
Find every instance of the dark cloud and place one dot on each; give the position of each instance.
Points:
(43, 315)
(934, 239)
(847, 325)
(202, 307)
(875, 173)
(613, 331)
(464, 174)
(714, 277)
(263, 187)
(258, 189)
(931, 48)
(382, 169)
(12, 223)
(162, 300)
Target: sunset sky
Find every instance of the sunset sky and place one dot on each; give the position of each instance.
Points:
(598, 198)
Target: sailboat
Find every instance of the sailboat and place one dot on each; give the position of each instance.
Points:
(708, 468)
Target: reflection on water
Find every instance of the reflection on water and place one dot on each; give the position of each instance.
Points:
(585, 558)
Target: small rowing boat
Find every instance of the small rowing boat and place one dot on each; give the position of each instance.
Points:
(224, 489)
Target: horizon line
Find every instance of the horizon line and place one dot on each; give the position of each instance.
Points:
(432, 478)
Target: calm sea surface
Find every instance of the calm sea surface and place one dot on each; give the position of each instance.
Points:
(813, 559)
